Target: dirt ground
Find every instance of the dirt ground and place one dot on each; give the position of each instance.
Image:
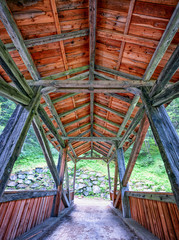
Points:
(91, 220)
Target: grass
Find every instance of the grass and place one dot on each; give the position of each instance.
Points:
(148, 172)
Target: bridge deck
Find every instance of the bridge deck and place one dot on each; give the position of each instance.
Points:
(91, 219)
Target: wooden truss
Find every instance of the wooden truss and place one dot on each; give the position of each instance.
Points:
(36, 104)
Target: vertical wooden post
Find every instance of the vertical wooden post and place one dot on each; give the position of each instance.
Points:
(74, 177)
(59, 162)
(115, 181)
(167, 140)
(67, 182)
(109, 178)
(60, 187)
(124, 198)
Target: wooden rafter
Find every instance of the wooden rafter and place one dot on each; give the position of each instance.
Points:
(127, 25)
(49, 39)
(165, 41)
(126, 118)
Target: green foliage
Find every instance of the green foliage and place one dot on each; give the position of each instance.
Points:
(6, 109)
(149, 169)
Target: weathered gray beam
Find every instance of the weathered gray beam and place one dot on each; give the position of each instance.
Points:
(12, 138)
(106, 129)
(66, 73)
(89, 139)
(69, 154)
(118, 73)
(132, 126)
(124, 198)
(55, 212)
(50, 39)
(111, 110)
(49, 124)
(87, 89)
(126, 83)
(74, 177)
(20, 195)
(80, 145)
(91, 158)
(57, 119)
(65, 199)
(109, 178)
(56, 100)
(126, 119)
(73, 110)
(76, 121)
(167, 140)
(12, 70)
(99, 151)
(167, 72)
(165, 41)
(92, 35)
(79, 128)
(92, 118)
(13, 31)
(12, 93)
(161, 197)
(166, 95)
(39, 131)
(71, 82)
(92, 48)
(67, 184)
(144, 125)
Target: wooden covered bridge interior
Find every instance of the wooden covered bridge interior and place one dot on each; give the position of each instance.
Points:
(90, 76)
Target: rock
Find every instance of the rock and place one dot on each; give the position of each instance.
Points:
(95, 182)
(13, 177)
(11, 184)
(30, 177)
(21, 176)
(39, 170)
(88, 189)
(20, 181)
(84, 176)
(90, 184)
(85, 193)
(102, 195)
(102, 185)
(96, 189)
(101, 178)
(99, 175)
(80, 186)
(27, 182)
(93, 178)
(21, 186)
(35, 185)
(80, 180)
(45, 184)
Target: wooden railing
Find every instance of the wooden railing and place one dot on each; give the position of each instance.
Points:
(157, 212)
(22, 210)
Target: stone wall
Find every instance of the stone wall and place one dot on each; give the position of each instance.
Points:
(87, 183)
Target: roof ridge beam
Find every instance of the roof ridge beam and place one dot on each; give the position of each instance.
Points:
(92, 48)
